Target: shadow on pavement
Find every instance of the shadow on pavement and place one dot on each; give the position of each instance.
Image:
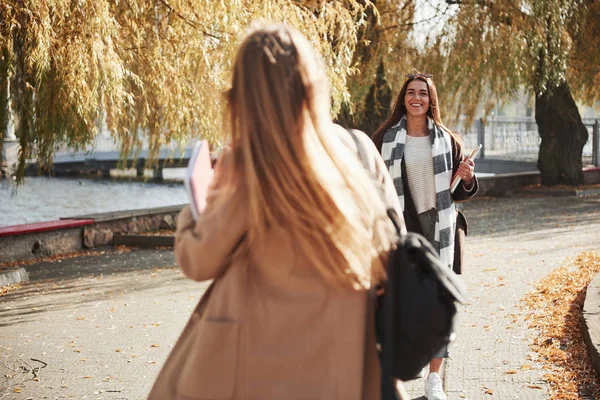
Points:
(496, 217)
(59, 285)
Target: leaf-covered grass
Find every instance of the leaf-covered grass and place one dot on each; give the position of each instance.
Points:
(554, 310)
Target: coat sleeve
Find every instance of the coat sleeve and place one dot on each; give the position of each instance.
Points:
(203, 248)
(463, 191)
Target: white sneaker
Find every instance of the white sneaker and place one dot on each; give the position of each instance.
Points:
(434, 390)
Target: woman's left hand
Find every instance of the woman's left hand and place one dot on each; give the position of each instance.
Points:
(466, 170)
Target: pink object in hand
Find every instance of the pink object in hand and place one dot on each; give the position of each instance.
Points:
(198, 177)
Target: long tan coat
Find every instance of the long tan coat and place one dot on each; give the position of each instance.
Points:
(273, 328)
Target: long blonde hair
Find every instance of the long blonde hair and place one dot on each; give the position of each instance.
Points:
(293, 167)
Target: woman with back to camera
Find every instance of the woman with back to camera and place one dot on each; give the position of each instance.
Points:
(422, 156)
(293, 233)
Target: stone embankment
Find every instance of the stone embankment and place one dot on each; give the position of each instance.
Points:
(45, 239)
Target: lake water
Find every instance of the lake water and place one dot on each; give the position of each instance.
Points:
(44, 199)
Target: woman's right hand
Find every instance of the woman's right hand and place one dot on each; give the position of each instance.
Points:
(185, 219)
(466, 170)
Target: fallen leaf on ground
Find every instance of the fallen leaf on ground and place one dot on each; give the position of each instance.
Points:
(559, 343)
(6, 289)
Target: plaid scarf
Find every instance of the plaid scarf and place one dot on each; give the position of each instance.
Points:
(392, 152)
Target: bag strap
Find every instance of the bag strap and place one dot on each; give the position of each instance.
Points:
(398, 224)
(362, 152)
(388, 389)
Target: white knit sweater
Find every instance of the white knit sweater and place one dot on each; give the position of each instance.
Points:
(419, 172)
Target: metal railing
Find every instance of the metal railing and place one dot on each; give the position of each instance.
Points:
(518, 139)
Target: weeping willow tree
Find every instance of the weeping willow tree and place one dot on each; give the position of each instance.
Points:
(384, 53)
(489, 49)
(153, 71)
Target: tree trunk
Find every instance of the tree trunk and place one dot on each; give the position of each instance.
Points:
(563, 137)
(4, 96)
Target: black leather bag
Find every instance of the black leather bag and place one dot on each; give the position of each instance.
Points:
(416, 313)
(459, 242)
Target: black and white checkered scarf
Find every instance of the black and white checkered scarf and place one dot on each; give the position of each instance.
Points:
(392, 152)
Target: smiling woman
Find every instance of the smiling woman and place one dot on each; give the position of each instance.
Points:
(416, 102)
(423, 155)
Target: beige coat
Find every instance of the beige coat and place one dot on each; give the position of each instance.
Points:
(273, 328)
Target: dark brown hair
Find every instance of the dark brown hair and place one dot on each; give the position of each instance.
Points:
(399, 110)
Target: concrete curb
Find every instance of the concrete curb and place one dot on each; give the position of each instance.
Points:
(505, 184)
(13, 276)
(587, 192)
(590, 318)
(516, 184)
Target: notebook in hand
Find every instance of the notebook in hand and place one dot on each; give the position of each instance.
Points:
(456, 179)
(198, 177)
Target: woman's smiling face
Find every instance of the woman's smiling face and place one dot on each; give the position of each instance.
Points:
(416, 99)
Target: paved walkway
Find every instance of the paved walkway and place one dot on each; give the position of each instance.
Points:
(512, 244)
(101, 326)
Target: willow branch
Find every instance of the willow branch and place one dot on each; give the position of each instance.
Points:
(188, 21)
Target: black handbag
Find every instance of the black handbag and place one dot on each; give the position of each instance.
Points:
(416, 313)
(459, 241)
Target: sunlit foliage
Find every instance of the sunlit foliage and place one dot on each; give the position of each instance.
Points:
(489, 49)
(152, 71)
